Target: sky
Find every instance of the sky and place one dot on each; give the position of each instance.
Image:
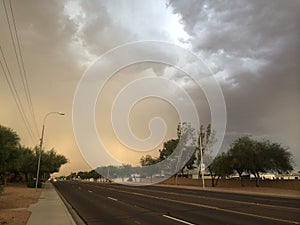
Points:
(251, 48)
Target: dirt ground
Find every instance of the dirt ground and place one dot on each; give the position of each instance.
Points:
(245, 190)
(14, 201)
(261, 190)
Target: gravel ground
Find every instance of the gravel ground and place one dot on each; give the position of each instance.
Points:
(14, 201)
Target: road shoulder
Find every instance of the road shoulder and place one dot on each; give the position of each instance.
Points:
(275, 192)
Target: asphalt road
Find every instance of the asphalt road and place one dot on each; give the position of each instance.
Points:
(104, 203)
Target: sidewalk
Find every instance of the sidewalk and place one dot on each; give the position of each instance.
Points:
(50, 209)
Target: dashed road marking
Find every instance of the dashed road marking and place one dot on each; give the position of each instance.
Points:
(114, 199)
(178, 220)
(202, 206)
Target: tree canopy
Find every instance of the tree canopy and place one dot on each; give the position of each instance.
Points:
(176, 153)
(9, 152)
(255, 157)
(220, 167)
(19, 161)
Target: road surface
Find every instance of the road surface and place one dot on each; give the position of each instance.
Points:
(104, 203)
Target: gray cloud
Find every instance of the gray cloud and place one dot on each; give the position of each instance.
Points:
(253, 47)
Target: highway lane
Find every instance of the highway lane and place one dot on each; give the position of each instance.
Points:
(103, 203)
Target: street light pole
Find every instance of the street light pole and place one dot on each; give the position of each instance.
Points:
(202, 167)
(41, 146)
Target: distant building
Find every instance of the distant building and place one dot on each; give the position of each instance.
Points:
(291, 176)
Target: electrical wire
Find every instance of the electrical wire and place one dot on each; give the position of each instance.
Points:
(15, 94)
(24, 77)
(20, 62)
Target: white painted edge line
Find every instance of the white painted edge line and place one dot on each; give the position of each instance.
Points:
(114, 199)
(178, 220)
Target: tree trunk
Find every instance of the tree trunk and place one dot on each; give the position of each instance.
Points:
(241, 177)
(256, 176)
(212, 177)
(5, 178)
(257, 179)
(217, 180)
(26, 177)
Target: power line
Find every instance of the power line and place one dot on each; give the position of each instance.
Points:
(15, 94)
(20, 61)
(27, 90)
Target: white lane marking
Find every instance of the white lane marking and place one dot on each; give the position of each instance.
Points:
(90, 191)
(114, 199)
(178, 220)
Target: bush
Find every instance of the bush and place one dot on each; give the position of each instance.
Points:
(31, 184)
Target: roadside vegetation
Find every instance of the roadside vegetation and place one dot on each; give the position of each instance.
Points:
(250, 156)
(245, 157)
(19, 163)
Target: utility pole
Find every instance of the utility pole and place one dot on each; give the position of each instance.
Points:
(41, 147)
(201, 165)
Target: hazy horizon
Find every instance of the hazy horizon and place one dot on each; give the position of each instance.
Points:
(251, 49)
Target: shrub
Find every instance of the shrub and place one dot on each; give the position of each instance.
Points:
(31, 184)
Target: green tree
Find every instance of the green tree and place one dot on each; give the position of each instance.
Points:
(241, 155)
(270, 157)
(9, 152)
(168, 148)
(254, 157)
(28, 163)
(8, 138)
(220, 167)
(93, 174)
(51, 162)
(149, 165)
(148, 160)
(206, 140)
(280, 159)
(82, 175)
(185, 145)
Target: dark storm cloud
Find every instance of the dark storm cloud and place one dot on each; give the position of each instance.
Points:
(253, 47)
